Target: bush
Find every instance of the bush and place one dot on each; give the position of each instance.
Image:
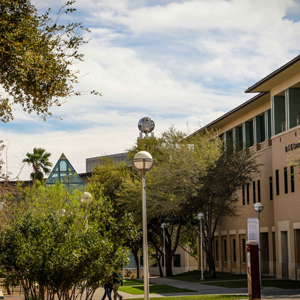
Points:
(128, 272)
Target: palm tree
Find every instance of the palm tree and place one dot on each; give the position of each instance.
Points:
(39, 160)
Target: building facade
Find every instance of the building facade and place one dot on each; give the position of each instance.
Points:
(268, 125)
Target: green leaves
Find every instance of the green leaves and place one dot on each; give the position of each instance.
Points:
(36, 53)
(46, 240)
(39, 160)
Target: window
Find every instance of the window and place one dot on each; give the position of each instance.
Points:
(254, 194)
(248, 201)
(258, 190)
(239, 138)
(292, 180)
(277, 182)
(177, 261)
(260, 128)
(244, 250)
(234, 250)
(217, 250)
(225, 250)
(251, 140)
(271, 188)
(243, 189)
(285, 180)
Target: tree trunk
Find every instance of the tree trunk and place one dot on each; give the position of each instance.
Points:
(209, 254)
(168, 263)
(135, 252)
(211, 265)
(41, 292)
(158, 257)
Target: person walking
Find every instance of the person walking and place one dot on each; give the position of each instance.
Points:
(108, 287)
(117, 282)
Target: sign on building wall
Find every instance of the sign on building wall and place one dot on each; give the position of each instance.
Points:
(253, 229)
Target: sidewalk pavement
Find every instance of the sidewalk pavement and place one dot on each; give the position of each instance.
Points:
(200, 289)
(204, 289)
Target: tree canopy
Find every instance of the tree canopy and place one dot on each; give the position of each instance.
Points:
(36, 53)
(191, 174)
(39, 160)
(194, 174)
(46, 240)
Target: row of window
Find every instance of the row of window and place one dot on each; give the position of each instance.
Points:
(256, 185)
(246, 192)
(234, 250)
(286, 183)
(243, 136)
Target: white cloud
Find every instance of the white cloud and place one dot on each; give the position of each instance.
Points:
(175, 61)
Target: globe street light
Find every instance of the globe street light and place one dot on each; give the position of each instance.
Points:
(258, 207)
(86, 200)
(164, 226)
(200, 217)
(143, 162)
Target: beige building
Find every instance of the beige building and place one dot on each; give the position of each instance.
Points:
(269, 125)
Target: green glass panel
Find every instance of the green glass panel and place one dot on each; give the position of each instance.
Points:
(63, 166)
(66, 174)
(54, 178)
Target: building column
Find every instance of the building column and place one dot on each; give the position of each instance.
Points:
(272, 116)
(244, 135)
(255, 121)
(234, 139)
(267, 125)
(287, 110)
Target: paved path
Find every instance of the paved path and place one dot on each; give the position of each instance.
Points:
(200, 289)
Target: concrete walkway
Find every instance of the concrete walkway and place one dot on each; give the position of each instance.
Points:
(204, 289)
(199, 289)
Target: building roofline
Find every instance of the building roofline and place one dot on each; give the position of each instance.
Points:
(273, 74)
(231, 112)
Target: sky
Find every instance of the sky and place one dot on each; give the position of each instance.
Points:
(182, 63)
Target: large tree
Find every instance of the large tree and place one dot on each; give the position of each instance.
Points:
(39, 160)
(36, 53)
(178, 164)
(45, 240)
(194, 174)
(108, 179)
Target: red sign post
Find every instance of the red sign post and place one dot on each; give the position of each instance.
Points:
(253, 275)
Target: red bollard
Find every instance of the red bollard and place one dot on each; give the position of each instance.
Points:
(253, 274)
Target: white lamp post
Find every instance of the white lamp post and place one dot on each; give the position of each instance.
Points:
(143, 162)
(86, 200)
(164, 226)
(258, 207)
(200, 217)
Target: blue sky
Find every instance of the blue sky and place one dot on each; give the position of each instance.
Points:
(178, 62)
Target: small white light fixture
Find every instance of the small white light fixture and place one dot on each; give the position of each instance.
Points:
(87, 198)
(258, 207)
(143, 161)
(163, 226)
(200, 217)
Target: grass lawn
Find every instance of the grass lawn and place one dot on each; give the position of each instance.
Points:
(194, 276)
(280, 283)
(202, 297)
(153, 289)
(132, 282)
